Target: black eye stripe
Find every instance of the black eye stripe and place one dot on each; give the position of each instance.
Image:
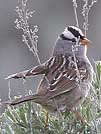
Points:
(65, 38)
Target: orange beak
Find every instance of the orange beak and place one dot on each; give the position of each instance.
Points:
(85, 41)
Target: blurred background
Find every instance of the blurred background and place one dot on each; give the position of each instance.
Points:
(51, 16)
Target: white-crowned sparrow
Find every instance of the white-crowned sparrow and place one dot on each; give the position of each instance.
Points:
(67, 74)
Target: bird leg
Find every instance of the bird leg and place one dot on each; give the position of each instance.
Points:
(46, 120)
(79, 117)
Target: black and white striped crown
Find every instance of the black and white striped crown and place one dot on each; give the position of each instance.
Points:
(72, 33)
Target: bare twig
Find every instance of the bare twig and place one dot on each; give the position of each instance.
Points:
(75, 12)
(85, 12)
(75, 48)
(9, 88)
(29, 37)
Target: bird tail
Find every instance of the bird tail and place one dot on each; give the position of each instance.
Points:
(35, 98)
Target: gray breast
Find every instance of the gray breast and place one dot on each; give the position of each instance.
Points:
(65, 47)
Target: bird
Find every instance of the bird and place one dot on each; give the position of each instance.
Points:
(67, 74)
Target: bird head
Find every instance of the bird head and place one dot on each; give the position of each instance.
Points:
(74, 34)
(70, 37)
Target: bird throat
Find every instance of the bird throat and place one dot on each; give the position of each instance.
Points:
(64, 47)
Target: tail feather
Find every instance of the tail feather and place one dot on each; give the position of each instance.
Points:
(36, 98)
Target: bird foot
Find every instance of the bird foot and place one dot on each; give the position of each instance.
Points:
(79, 117)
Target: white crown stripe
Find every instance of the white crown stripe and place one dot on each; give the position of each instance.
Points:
(77, 29)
